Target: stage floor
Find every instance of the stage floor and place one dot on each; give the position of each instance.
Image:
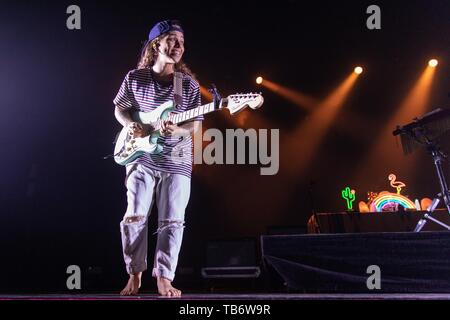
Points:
(258, 296)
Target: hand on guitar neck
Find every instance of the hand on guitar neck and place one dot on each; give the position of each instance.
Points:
(168, 128)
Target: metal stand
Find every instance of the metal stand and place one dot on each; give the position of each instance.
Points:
(426, 131)
(438, 157)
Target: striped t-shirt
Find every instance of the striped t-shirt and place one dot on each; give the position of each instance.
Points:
(141, 92)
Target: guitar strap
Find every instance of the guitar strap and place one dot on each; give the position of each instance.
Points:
(178, 88)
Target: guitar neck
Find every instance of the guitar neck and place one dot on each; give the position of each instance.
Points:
(192, 113)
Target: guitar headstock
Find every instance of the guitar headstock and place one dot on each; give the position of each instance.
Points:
(237, 102)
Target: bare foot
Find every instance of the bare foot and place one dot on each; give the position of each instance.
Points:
(165, 288)
(133, 285)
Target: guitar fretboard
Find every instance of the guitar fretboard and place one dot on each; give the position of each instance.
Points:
(192, 113)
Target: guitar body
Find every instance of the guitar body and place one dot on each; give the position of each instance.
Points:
(127, 148)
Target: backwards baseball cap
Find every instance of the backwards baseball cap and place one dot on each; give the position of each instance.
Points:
(164, 27)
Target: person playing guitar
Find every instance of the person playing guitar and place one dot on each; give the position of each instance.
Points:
(156, 177)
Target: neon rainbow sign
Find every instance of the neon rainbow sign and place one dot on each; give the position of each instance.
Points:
(386, 200)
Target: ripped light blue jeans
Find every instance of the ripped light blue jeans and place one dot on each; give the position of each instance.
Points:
(171, 193)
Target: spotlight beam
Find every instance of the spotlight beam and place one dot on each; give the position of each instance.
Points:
(296, 97)
(309, 135)
(206, 94)
(386, 154)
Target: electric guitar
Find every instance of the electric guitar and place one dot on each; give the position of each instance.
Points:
(127, 148)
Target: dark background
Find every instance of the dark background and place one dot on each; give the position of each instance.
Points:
(61, 204)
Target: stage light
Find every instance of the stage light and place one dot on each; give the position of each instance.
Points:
(259, 80)
(433, 63)
(358, 70)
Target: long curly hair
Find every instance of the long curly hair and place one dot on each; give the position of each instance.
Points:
(149, 54)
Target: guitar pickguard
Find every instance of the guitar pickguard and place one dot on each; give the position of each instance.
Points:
(125, 151)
